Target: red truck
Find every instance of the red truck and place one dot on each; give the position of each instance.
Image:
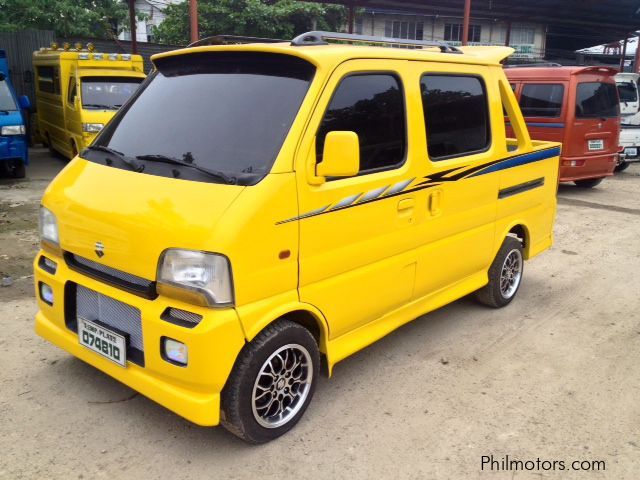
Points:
(577, 106)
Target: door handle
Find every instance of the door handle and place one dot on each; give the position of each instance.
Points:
(406, 204)
(434, 202)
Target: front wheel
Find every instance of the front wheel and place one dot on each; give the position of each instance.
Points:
(505, 275)
(15, 168)
(272, 383)
(588, 183)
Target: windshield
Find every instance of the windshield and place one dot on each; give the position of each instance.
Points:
(107, 92)
(628, 92)
(7, 102)
(224, 111)
(596, 99)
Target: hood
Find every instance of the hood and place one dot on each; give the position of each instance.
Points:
(134, 215)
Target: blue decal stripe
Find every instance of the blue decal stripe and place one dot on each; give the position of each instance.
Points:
(519, 160)
(541, 124)
(545, 125)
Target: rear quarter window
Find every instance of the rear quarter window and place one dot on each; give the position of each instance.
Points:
(597, 100)
(456, 115)
(541, 100)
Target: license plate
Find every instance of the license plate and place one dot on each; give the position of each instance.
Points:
(632, 151)
(596, 144)
(101, 340)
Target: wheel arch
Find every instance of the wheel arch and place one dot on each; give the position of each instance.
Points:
(519, 230)
(304, 314)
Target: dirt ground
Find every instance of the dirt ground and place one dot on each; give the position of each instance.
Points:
(554, 376)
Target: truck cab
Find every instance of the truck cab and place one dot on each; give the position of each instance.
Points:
(79, 91)
(629, 118)
(14, 153)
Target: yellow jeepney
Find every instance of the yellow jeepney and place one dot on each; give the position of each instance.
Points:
(78, 91)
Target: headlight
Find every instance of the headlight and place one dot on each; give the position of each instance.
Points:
(196, 277)
(13, 130)
(48, 226)
(92, 127)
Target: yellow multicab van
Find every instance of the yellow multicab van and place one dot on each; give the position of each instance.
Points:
(257, 207)
(78, 92)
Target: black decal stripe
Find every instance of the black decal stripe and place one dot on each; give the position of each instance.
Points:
(520, 188)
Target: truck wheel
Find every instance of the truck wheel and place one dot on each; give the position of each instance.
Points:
(17, 169)
(272, 383)
(505, 275)
(622, 166)
(588, 183)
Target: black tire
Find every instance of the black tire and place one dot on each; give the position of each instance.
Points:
(238, 413)
(622, 166)
(49, 145)
(17, 169)
(492, 294)
(588, 183)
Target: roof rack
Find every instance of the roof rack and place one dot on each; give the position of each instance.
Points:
(320, 38)
(524, 65)
(232, 40)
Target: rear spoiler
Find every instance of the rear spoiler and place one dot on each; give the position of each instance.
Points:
(602, 70)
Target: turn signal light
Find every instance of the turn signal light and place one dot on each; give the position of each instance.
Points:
(572, 163)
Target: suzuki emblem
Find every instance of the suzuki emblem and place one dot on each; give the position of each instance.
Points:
(99, 249)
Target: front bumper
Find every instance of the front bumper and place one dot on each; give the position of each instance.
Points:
(596, 166)
(192, 391)
(14, 147)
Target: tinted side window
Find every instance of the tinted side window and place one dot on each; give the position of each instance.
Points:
(48, 80)
(371, 105)
(595, 99)
(541, 100)
(456, 115)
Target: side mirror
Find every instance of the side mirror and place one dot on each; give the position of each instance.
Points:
(340, 156)
(76, 103)
(24, 102)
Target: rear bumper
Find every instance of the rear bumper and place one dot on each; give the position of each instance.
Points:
(14, 147)
(596, 166)
(192, 392)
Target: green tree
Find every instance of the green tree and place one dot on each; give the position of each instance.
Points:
(68, 18)
(256, 18)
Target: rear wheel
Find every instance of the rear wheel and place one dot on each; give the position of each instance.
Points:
(505, 275)
(48, 144)
(622, 166)
(588, 183)
(272, 383)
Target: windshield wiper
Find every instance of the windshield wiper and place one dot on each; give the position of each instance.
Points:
(135, 166)
(99, 105)
(174, 161)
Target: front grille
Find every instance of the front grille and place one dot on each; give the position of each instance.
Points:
(91, 305)
(127, 281)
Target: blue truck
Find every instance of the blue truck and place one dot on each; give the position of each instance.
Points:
(14, 151)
